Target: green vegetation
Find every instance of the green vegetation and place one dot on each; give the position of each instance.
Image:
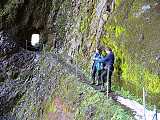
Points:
(86, 22)
(117, 3)
(134, 61)
(126, 93)
(84, 25)
(85, 102)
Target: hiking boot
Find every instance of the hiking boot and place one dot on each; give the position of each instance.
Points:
(103, 89)
(97, 83)
(92, 83)
(109, 91)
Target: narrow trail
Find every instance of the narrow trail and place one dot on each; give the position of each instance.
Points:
(134, 107)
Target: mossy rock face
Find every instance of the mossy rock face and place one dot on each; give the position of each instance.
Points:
(133, 31)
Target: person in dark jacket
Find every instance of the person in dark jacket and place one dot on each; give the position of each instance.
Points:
(96, 67)
(108, 67)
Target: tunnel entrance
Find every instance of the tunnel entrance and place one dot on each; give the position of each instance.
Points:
(29, 39)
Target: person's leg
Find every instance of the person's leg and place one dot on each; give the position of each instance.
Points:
(99, 77)
(110, 82)
(93, 75)
(103, 78)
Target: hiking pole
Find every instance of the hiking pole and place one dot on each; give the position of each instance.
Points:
(107, 81)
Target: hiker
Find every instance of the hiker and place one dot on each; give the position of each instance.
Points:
(96, 67)
(108, 62)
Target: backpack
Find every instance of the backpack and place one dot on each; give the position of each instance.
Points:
(99, 65)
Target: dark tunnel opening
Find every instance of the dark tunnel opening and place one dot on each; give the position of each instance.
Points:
(24, 38)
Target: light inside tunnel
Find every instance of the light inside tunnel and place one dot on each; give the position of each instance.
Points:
(35, 39)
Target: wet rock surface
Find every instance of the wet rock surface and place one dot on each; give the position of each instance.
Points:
(14, 63)
(8, 45)
(41, 85)
(13, 85)
(12, 57)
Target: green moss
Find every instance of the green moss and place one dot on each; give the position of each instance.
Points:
(86, 17)
(85, 24)
(81, 98)
(127, 41)
(140, 76)
(116, 29)
(50, 107)
(117, 3)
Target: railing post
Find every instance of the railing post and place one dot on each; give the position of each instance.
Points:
(144, 104)
(26, 44)
(1, 22)
(76, 61)
(155, 114)
(44, 51)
